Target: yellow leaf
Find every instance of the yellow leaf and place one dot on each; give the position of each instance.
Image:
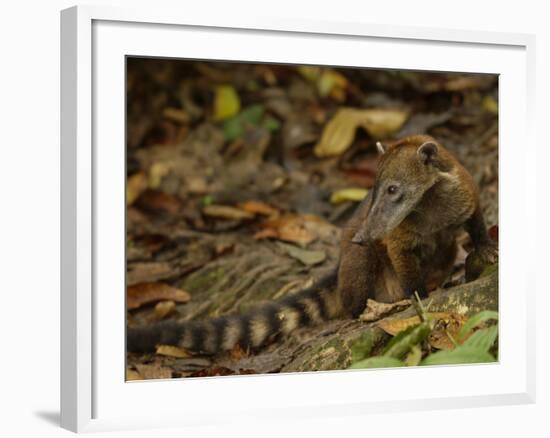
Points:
(352, 194)
(490, 104)
(170, 350)
(226, 102)
(311, 73)
(380, 123)
(339, 132)
(135, 186)
(226, 212)
(133, 375)
(157, 172)
(332, 83)
(163, 309)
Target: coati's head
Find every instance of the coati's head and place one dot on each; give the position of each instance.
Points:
(406, 170)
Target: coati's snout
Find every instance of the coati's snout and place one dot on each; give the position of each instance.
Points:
(387, 211)
(404, 175)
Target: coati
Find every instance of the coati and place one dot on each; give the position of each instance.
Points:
(400, 240)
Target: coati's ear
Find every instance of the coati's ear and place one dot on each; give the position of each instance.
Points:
(427, 152)
(381, 148)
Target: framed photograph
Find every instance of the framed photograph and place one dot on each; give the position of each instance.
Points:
(252, 209)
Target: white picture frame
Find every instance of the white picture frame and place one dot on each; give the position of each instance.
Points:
(94, 43)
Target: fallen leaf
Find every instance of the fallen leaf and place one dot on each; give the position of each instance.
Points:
(176, 115)
(493, 232)
(135, 186)
(396, 326)
(328, 82)
(363, 172)
(309, 72)
(307, 257)
(163, 309)
(226, 102)
(351, 194)
(333, 84)
(490, 105)
(414, 357)
(156, 201)
(376, 310)
(145, 272)
(258, 207)
(339, 132)
(298, 229)
(156, 173)
(154, 371)
(172, 351)
(143, 293)
(226, 212)
(132, 375)
(214, 371)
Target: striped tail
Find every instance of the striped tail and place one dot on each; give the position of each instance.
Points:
(249, 330)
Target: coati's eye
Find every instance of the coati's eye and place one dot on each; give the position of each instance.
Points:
(392, 190)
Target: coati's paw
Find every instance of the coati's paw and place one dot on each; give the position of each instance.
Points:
(479, 259)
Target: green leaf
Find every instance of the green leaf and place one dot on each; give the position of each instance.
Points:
(252, 114)
(461, 354)
(233, 128)
(475, 320)
(207, 200)
(362, 347)
(401, 344)
(483, 339)
(414, 357)
(271, 123)
(377, 362)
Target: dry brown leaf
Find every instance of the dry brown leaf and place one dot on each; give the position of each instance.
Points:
(147, 272)
(163, 309)
(157, 172)
(154, 371)
(339, 132)
(132, 375)
(172, 351)
(307, 257)
(226, 212)
(258, 207)
(158, 201)
(446, 331)
(444, 324)
(395, 326)
(143, 293)
(135, 186)
(290, 228)
(177, 115)
(376, 310)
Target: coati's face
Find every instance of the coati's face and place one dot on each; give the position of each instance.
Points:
(405, 172)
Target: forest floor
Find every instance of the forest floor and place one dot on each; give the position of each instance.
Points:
(241, 175)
